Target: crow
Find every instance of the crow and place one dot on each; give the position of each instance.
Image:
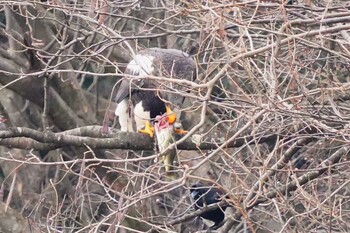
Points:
(206, 195)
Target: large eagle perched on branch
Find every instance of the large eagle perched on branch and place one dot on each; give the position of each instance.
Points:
(150, 98)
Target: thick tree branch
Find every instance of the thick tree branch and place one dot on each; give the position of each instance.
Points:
(25, 138)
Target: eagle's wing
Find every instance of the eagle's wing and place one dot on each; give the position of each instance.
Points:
(123, 91)
(140, 66)
(172, 64)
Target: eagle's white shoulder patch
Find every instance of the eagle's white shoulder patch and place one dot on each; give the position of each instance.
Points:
(141, 116)
(141, 65)
(122, 112)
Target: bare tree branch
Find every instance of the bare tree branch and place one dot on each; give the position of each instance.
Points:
(91, 136)
(326, 165)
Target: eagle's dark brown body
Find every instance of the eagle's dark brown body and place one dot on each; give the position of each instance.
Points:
(149, 96)
(141, 98)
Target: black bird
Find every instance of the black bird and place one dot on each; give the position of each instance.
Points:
(206, 195)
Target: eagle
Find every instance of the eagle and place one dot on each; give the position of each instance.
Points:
(149, 98)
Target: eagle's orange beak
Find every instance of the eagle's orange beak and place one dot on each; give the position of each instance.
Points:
(171, 115)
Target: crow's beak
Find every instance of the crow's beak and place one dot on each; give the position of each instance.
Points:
(165, 131)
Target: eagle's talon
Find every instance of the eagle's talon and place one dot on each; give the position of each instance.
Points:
(181, 131)
(147, 130)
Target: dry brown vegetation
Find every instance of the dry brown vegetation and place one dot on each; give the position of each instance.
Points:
(268, 116)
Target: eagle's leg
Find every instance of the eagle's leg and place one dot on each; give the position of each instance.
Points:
(148, 129)
(125, 121)
(180, 131)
